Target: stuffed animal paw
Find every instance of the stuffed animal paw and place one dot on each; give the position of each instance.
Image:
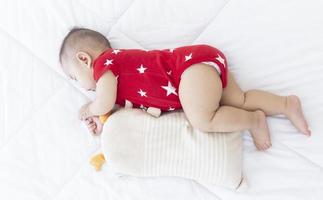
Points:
(97, 161)
(156, 112)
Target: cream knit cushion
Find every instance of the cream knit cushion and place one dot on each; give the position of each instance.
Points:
(138, 144)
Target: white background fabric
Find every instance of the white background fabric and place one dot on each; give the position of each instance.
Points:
(44, 149)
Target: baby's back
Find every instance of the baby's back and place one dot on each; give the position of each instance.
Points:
(151, 78)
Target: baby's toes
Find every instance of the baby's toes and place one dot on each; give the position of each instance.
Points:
(263, 146)
(267, 145)
(259, 147)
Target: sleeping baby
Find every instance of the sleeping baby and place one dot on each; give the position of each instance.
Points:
(193, 78)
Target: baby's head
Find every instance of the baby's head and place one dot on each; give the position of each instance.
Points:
(79, 49)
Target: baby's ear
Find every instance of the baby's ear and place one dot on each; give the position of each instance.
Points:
(84, 58)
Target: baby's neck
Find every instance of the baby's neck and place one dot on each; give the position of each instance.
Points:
(96, 53)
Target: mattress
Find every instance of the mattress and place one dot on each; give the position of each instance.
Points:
(271, 45)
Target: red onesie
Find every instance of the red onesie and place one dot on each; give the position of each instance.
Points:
(151, 78)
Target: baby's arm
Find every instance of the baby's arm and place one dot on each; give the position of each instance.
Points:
(106, 94)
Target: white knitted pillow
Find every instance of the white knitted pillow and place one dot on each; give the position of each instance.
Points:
(138, 144)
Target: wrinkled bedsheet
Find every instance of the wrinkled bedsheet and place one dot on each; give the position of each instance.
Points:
(272, 45)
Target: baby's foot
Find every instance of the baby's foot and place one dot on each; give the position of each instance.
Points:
(260, 132)
(295, 114)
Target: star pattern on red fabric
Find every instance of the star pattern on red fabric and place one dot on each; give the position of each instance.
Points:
(142, 91)
(141, 69)
(221, 60)
(116, 51)
(188, 57)
(108, 62)
(170, 89)
(171, 109)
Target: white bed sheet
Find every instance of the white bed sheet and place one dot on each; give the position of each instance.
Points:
(44, 149)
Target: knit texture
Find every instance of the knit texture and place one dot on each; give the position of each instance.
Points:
(138, 144)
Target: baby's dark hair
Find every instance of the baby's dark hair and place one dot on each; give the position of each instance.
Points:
(82, 39)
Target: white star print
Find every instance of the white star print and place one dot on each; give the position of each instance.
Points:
(116, 51)
(142, 93)
(170, 89)
(141, 69)
(221, 60)
(170, 109)
(108, 62)
(170, 71)
(189, 57)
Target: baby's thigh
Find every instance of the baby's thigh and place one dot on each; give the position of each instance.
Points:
(200, 91)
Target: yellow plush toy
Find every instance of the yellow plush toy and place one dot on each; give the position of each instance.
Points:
(103, 118)
(98, 160)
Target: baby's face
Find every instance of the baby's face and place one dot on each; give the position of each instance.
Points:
(81, 73)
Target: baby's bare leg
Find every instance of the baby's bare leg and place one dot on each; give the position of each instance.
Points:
(200, 92)
(228, 119)
(271, 104)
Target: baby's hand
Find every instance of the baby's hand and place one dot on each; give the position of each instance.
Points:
(84, 112)
(94, 125)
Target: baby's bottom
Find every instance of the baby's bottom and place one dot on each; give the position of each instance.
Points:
(211, 109)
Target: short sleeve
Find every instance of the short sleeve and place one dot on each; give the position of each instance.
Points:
(103, 63)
